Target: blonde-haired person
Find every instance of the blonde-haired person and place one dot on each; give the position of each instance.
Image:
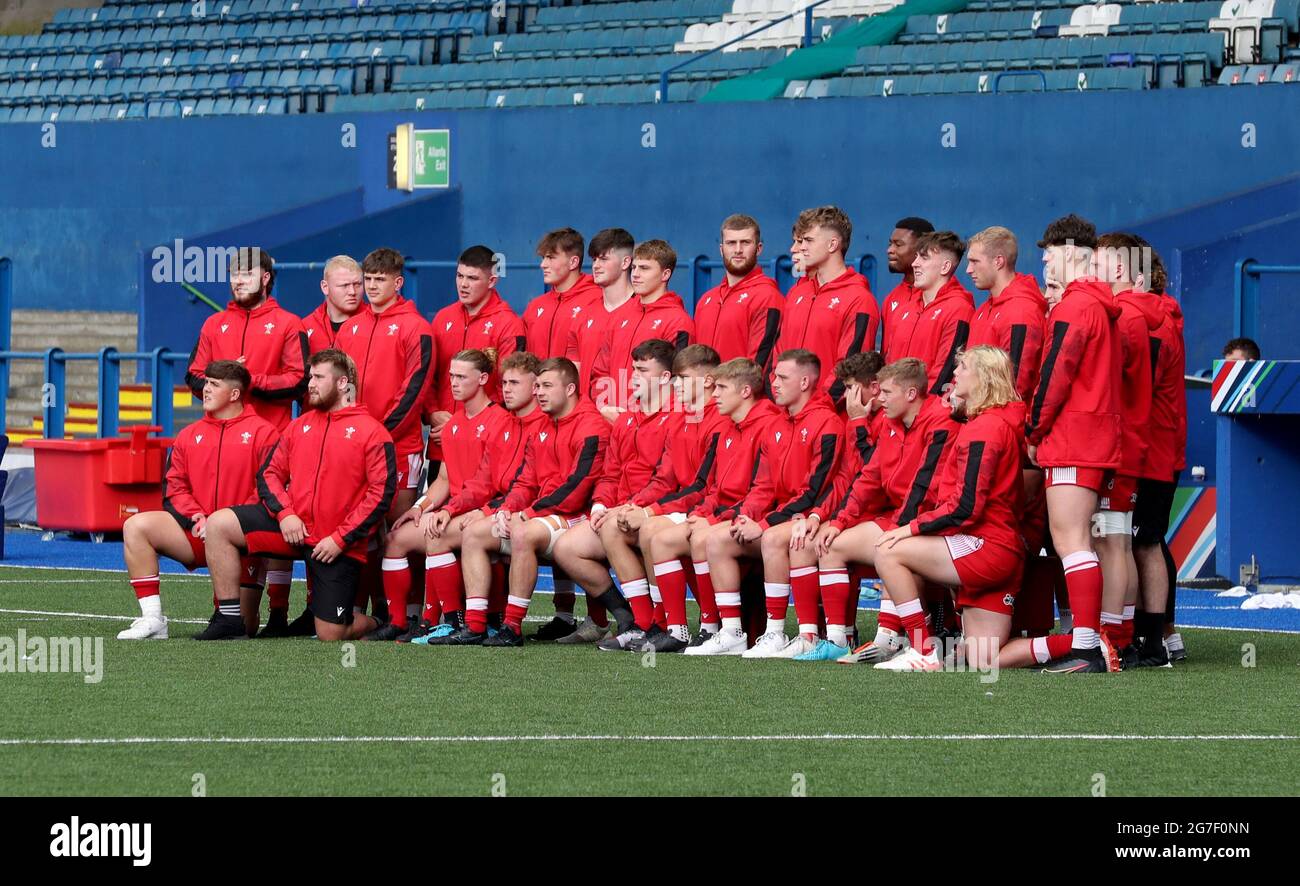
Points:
(971, 537)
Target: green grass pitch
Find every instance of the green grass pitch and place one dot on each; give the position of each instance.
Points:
(572, 721)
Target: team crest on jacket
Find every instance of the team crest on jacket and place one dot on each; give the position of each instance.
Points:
(487, 327)
(576, 312)
(348, 432)
(655, 325)
(937, 312)
(834, 302)
(245, 437)
(268, 327)
(392, 328)
(803, 435)
(742, 297)
(478, 432)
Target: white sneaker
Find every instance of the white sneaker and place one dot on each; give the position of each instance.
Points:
(146, 627)
(724, 642)
(767, 646)
(872, 652)
(798, 646)
(911, 660)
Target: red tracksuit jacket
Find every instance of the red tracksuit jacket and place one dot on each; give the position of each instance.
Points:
(394, 356)
(982, 492)
(1015, 321)
(804, 477)
(900, 302)
(860, 438)
(742, 320)
(586, 337)
(637, 446)
(741, 449)
(1167, 440)
(337, 472)
(549, 317)
(495, 328)
(274, 346)
(465, 442)
(1139, 318)
(833, 320)
(934, 333)
(504, 460)
(664, 318)
(214, 465)
(1074, 418)
(561, 466)
(683, 475)
(321, 333)
(899, 480)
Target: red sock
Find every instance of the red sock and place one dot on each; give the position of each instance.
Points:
(671, 579)
(778, 600)
(148, 587)
(1058, 645)
(442, 574)
(660, 616)
(397, 587)
(497, 592)
(834, 584)
(704, 593)
(805, 584)
(637, 593)
(889, 619)
(277, 589)
(1124, 636)
(516, 610)
(596, 610)
(1083, 580)
(476, 612)
(728, 604)
(912, 615)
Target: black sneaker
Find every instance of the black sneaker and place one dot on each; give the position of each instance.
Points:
(701, 637)
(495, 620)
(276, 627)
(630, 640)
(1128, 657)
(387, 632)
(223, 627)
(1153, 655)
(463, 637)
(506, 636)
(663, 641)
(554, 630)
(415, 631)
(303, 626)
(1079, 661)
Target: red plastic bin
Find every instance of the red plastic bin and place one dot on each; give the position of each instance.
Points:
(95, 485)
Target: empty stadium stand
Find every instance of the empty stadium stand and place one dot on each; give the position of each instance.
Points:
(130, 60)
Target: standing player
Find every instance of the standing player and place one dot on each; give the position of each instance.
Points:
(611, 269)
(741, 316)
(342, 286)
(202, 478)
(638, 444)
(1013, 317)
(970, 539)
(257, 333)
(475, 422)
(937, 324)
(550, 316)
(831, 310)
(1074, 426)
(551, 495)
(901, 301)
(345, 469)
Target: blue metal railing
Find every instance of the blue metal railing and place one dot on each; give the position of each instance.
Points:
(806, 12)
(1245, 301)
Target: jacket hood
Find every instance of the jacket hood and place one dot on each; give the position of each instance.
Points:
(760, 411)
(245, 414)
(268, 305)
(1024, 287)
(667, 302)
(1152, 311)
(849, 279)
(951, 291)
(1012, 413)
(1091, 287)
(585, 286)
(402, 305)
(819, 401)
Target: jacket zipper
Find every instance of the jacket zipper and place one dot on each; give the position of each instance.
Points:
(320, 460)
(216, 486)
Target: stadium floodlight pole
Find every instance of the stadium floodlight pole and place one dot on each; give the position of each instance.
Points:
(805, 41)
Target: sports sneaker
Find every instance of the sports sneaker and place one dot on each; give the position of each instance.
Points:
(663, 641)
(505, 636)
(1151, 655)
(223, 627)
(825, 650)
(1078, 661)
(1174, 646)
(727, 641)
(463, 637)
(416, 631)
(797, 646)
(630, 640)
(910, 660)
(587, 632)
(702, 636)
(302, 626)
(385, 633)
(767, 646)
(276, 627)
(1110, 654)
(146, 627)
(554, 630)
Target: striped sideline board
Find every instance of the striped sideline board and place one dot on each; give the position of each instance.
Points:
(1255, 386)
(1191, 531)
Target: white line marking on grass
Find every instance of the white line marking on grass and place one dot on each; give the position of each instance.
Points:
(183, 621)
(490, 739)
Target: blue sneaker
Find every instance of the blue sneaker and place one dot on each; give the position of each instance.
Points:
(825, 650)
(492, 632)
(442, 630)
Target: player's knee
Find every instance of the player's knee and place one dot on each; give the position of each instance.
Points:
(328, 632)
(717, 544)
(775, 542)
(136, 528)
(222, 526)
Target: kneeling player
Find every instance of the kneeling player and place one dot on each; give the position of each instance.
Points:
(335, 466)
(977, 521)
(227, 447)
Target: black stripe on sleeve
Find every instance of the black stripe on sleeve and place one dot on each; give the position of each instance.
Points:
(862, 442)
(950, 363)
(770, 333)
(682, 339)
(412, 392)
(818, 487)
(1155, 358)
(264, 491)
(581, 470)
(1059, 331)
(966, 503)
(1018, 334)
(390, 489)
(924, 477)
(860, 324)
(701, 476)
(195, 381)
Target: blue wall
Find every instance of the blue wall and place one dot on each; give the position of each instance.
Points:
(76, 216)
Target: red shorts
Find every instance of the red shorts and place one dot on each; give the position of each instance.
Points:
(1119, 494)
(249, 566)
(1087, 478)
(990, 574)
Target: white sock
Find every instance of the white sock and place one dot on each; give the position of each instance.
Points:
(1038, 645)
(680, 632)
(776, 625)
(711, 626)
(837, 635)
(151, 607)
(1111, 618)
(1086, 638)
(732, 624)
(808, 630)
(1173, 641)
